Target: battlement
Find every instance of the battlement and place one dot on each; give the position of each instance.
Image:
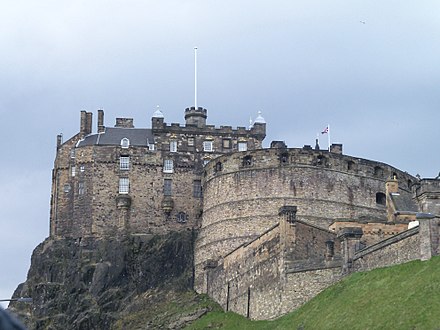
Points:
(282, 156)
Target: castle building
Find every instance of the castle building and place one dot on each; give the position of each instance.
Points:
(275, 225)
(140, 180)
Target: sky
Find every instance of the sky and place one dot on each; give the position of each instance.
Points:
(369, 69)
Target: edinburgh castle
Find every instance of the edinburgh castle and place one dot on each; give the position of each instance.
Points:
(275, 226)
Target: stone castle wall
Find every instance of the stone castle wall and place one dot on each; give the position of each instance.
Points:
(244, 191)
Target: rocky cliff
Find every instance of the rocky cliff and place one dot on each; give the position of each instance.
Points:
(127, 282)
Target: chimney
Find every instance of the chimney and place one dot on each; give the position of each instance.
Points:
(101, 127)
(89, 123)
(59, 140)
(85, 124)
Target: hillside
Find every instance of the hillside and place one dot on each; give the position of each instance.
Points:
(400, 297)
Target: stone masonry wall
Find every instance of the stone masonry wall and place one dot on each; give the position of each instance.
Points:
(395, 250)
(243, 192)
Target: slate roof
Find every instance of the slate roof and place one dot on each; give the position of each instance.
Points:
(404, 203)
(139, 137)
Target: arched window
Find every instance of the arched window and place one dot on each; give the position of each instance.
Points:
(381, 199)
(125, 143)
(394, 176)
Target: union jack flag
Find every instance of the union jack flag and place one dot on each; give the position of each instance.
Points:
(325, 131)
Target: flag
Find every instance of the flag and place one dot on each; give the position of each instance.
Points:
(325, 131)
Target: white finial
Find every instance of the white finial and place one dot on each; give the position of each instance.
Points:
(259, 119)
(250, 121)
(158, 113)
(195, 78)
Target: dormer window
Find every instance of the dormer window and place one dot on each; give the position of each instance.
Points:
(173, 146)
(125, 143)
(151, 147)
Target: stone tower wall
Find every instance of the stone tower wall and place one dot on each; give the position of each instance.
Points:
(244, 191)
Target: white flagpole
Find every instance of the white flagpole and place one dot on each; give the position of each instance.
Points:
(328, 127)
(195, 78)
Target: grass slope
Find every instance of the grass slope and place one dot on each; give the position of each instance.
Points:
(406, 296)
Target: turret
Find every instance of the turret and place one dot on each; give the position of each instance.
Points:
(196, 117)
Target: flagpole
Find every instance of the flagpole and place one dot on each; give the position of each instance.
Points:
(328, 137)
(195, 78)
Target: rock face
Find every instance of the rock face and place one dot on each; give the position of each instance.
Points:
(109, 283)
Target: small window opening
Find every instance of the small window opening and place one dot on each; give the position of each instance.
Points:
(173, 146)
(284, 158)
(350, 165)
(378, 171)
(81, 188)
(197, 188)
(218, 167)
(182, 217)
(247, 161)
(207, 146)
(381, 199)
(242, 146)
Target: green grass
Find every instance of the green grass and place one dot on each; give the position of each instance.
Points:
(406, 296)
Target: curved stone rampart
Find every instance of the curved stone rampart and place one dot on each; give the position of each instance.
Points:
(244, 191)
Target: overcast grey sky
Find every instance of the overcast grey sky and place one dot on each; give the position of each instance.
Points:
(370, 69)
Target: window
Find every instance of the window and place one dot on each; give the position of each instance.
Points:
(197, 188)
(81, 188)
(73, 170)
(247, 161)
(226, 143)
(168, 166)
(218, 166)
(350, 165)
(167, 187)
(381, 199)
(82, 168)
(125, 143)
(173, 146)
(123, 185)
(205, 162)
(151, 147)
(72, 153)
(190, 141)
(207, 146)
(124, 163)
(182, 217)
(378, 171)
(242, 146)
(66, 188)
(284, 158)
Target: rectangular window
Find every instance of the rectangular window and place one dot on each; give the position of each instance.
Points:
(226, 143)
(73, 169)
(82, 168)
(167, 187)
(207, 146)
(151, 147)
(197, 189)
(173, 146)
(72, 153)
(81, 188)
(190, 141)
(123, 185)
(124, 163)
(242, 146)
(168, 166)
